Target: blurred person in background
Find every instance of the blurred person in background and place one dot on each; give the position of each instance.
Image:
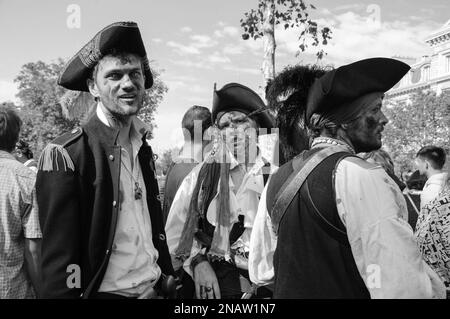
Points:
(433, 234)
(382, 158)
(430, 161)
(196, 121)
(191, 154)
(20, 234)
(24, 155)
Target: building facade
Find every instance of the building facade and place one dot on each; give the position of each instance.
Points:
(430, 71)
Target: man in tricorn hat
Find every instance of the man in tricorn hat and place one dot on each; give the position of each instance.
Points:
(96, 187)
(210, 221)
(341, 223)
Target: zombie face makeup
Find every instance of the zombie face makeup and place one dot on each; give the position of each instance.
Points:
(240, 133)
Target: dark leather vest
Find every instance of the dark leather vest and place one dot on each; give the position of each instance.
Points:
(313, 258)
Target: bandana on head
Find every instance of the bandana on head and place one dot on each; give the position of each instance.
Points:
(348, 112)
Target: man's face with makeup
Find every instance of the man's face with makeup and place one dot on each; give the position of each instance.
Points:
(119, 83)
(365, 131)
(238, 131)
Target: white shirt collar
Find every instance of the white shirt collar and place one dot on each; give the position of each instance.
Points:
(437, 178)
(140, 127)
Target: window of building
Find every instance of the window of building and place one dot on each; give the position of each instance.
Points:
(426, 73)
(447, 63)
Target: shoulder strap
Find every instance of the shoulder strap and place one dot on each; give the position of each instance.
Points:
(412, 203)
(68, 137)
(292, 185)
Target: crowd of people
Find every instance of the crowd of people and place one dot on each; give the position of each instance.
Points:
(291, 199)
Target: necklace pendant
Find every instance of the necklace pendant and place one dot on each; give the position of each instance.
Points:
(137, 191)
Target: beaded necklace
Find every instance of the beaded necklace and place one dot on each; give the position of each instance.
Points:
(137, 187)
(330, 141)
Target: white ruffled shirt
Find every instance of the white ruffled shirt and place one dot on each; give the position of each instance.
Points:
(372, 208)
(244, 202)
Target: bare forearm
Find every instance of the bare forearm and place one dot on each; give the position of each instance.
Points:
(32, 262)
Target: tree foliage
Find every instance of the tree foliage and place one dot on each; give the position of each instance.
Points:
(42, 115)
(423, 120)
(165, 160)
(41, 111)
(153, 97)
(289, 14)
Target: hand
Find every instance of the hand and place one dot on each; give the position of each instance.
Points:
(148, 293)
(206, 284)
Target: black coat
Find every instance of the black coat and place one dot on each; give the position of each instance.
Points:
(78, 196)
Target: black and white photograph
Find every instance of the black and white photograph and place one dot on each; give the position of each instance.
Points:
(239, 152)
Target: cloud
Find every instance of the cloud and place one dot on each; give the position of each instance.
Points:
(202, 41)
(354, 7)
(180, 77)
(227, 31)
(216, 57)
(358, 36)
(232, 49)
(174, 84)
(186, 29)
(182, 49)
(191, 64)
(8, 91)
(157, 40)
(198, 42)
(253, 46)
(231, 31)
(237, 69)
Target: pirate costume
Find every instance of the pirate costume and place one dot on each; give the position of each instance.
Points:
(93, 212)
(210, 218)
(338, 221)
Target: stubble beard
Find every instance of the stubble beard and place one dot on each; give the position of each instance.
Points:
(118, 117)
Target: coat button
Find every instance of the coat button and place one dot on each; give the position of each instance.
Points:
(162, 237)
(114, 203)
(111, 157)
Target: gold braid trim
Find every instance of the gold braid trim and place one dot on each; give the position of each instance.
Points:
(49, 159)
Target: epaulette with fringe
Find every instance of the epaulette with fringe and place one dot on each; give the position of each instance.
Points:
(48, 161)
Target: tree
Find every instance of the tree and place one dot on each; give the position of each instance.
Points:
(163, 162)
(261, 22)
(42, 111)
(424, 120)
(152, 99)
(42, 115)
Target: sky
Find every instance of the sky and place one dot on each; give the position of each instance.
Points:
(196, 43)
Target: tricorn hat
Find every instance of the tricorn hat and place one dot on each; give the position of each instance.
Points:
(120, 36)
(336, 89)
(237, 97)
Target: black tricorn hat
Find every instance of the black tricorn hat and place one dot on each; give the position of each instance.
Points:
(238, 97)
(349, 82)
(120, 36)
